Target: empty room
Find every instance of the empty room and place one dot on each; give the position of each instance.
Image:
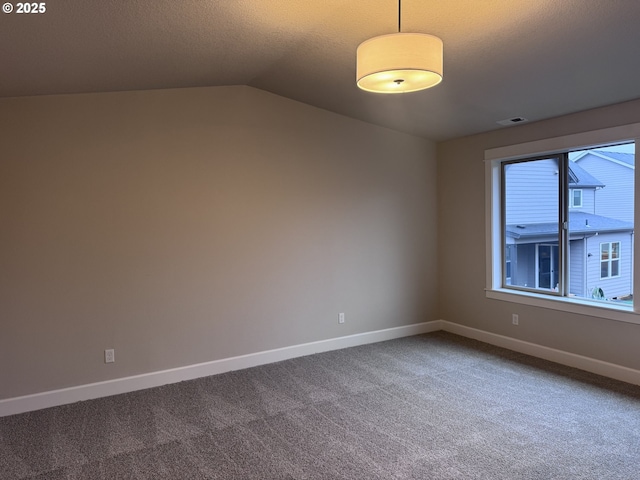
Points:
(278, 239)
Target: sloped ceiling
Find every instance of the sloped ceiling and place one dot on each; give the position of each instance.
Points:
(503, 58)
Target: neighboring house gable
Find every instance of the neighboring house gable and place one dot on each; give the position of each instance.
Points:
(616, 171)
(586, 184)
(540, 205)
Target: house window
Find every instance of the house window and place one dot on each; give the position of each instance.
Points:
(575, 197)
(609, 259)
(507, 264)
(561, 225)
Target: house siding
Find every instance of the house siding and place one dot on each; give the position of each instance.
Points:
(528, 205)
(588, 201)
(615, 200)
(576, 267)
(616, 286)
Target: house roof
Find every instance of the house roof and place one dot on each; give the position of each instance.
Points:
(627, 158)
(579, 223)
(579, 177)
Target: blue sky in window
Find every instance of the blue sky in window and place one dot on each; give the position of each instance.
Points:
(626, 148)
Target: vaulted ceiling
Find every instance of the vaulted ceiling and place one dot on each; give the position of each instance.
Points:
(502, 58)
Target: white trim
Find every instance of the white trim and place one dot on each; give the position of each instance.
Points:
(588, 307)
(37, 401)
(588, 364)
(492, 203)
(611, 259)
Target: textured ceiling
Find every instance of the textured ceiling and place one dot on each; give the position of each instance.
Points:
(503, 58)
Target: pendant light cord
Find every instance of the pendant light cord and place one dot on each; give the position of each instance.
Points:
(399, 16)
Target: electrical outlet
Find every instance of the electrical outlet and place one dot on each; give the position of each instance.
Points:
(514, 319)
(109, 355)
(341, 318)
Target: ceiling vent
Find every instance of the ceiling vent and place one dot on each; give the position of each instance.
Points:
(512, 121)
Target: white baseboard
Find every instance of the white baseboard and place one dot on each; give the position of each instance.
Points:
(27, 403)
(588, 364)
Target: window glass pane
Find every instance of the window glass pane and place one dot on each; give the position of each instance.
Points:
(531, 222)
(615, 266)
(604, 269)
(615, 250)
(576, 198)
(601, 230)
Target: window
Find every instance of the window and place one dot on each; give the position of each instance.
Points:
(555, 248)
(530, 191)
(609, 259)
(507, 264)
(560, 226)
(575, 196)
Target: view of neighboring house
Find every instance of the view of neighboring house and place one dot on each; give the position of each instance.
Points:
(600, 224)
(616, 171)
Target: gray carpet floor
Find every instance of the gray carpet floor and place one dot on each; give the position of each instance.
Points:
(433, 406)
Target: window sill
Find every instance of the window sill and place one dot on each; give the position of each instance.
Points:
(610, 311)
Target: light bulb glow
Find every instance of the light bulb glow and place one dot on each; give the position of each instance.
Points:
(414, 58)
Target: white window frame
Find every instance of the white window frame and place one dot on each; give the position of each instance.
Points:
(572, 204)
(493, 160)
(610, 260)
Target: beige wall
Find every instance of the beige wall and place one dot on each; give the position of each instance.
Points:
(461, 234)
(183, 226)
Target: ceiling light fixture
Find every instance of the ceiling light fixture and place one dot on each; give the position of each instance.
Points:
(399, 62)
